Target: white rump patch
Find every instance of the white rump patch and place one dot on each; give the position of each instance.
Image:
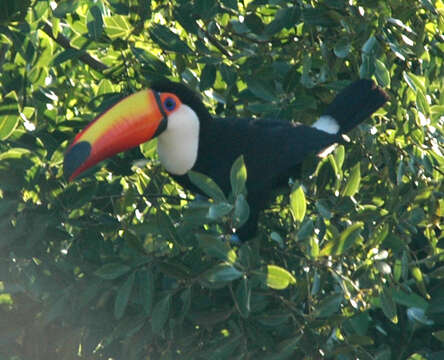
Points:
(177, 146)
(327, 123)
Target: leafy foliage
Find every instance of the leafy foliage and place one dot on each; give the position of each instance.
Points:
(123, 264)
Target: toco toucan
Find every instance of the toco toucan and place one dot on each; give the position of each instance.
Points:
(190, 138)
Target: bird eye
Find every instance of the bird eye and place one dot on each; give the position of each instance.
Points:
(169, 104)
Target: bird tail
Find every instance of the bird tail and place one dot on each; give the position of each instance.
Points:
(352, 106)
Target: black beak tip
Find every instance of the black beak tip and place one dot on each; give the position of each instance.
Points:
(75, 157)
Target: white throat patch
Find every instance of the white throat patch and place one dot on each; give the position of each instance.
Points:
(177, 146)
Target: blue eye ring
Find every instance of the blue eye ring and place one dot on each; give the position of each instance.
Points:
(169, 103)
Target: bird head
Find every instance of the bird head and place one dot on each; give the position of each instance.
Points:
(132, 121)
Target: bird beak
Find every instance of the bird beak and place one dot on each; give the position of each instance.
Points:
(132, 121)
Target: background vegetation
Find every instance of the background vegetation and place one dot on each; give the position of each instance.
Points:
(124, 264)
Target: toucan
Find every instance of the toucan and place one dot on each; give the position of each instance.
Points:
(190, 138)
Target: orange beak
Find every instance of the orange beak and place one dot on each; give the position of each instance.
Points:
(132, 121)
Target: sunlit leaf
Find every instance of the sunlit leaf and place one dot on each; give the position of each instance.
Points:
(238, 176)
(278, 278)
(9, 115)
(353, 182)
(298, 204)
(116, 26)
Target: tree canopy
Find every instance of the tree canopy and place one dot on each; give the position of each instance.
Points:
(125, 264)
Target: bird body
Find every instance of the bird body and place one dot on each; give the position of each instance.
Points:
(191, 139)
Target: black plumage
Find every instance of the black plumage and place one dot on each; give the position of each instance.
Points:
(273, 150)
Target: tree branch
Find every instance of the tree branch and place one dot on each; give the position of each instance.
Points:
(215, 42)
(64, 42)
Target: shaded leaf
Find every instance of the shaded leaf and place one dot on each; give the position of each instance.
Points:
(207, 185)
(168, 40)
(388, 306)
(241, 211)
(123, 295)
(329, 305)
(160, 314)
(112, 271)
(217, 248)
(94, 22)
(222, 273)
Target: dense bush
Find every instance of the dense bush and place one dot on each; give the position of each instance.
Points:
(125, 264)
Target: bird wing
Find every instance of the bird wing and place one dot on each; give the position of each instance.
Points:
(281, 147)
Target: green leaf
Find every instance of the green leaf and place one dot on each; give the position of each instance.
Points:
(323, 209)
(9, 115)
(241, 211)
(298, 204)
(388, 306)
(207, 185)
(261, 90)
(242, 297)
(370, 45)
(278, 278)
(232, 4)
(216, 248)
(414, 81)
(354, 180)
(150, 61)
(382, 74)
(342, 48)
(409, 299)
(65, 7)
(123, 295)
(207, 77)
(328, 306)
(112, 271)
(117, 27)
(94, 22)
(319, 17)
(147, 290)
(419, 279)
(348, 237)
(306, 229)
(379, 235)
(238, 176)
(168, 40)
(14, 153)
(160, 314)
(70, 54)
(421, 102)
(339, 155)
(367, 67)
(284, 18)
(439, 335)
(222, 273)
(219, 210)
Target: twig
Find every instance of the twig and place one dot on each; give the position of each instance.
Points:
(65, 43)
(215, 42)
